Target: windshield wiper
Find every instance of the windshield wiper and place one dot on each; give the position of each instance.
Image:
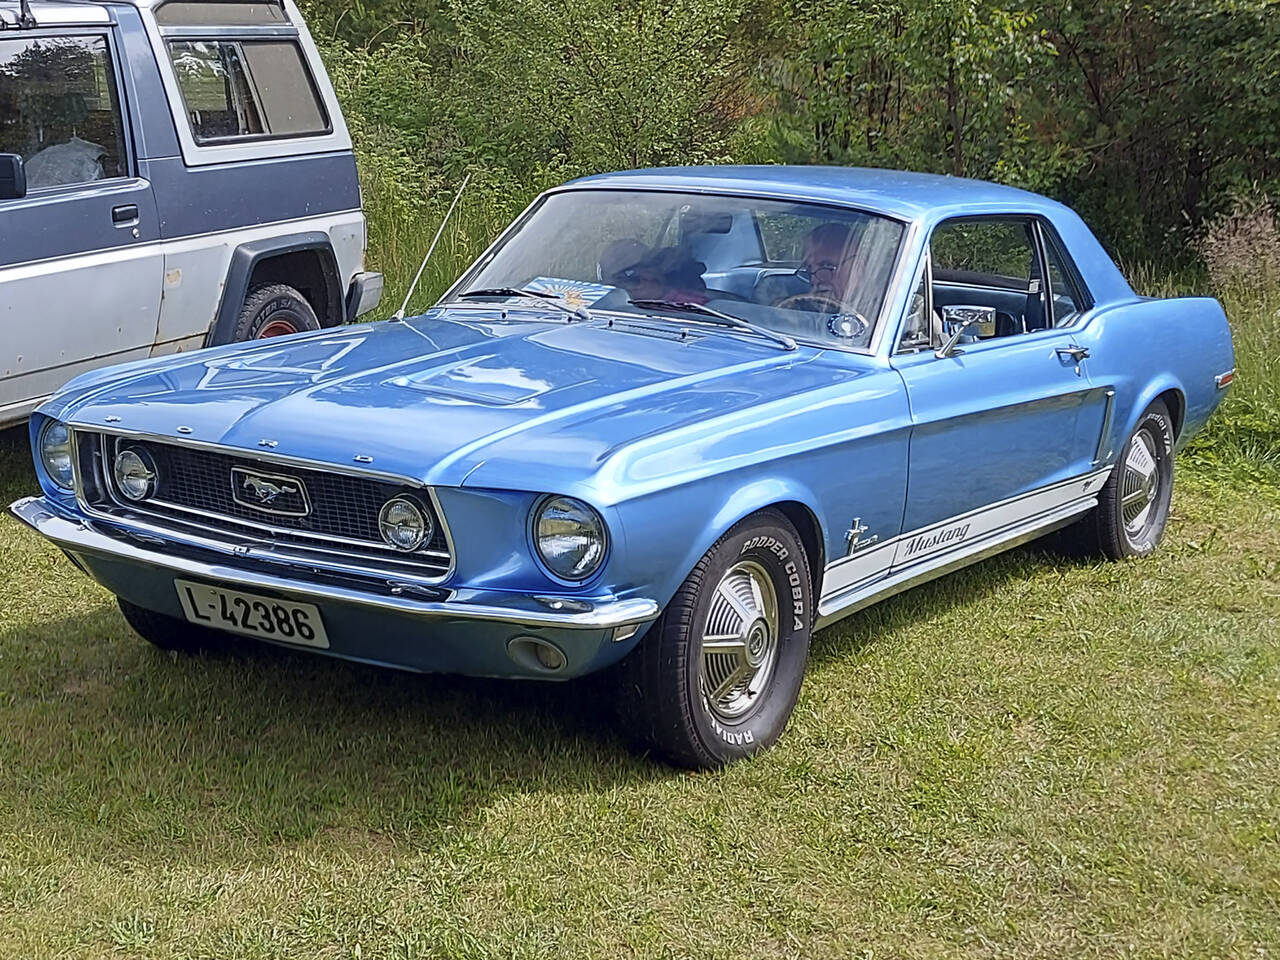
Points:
(554, 299)
(715, 316)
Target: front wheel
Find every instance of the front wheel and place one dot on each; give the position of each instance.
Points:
(1133, 506)
(716, 677)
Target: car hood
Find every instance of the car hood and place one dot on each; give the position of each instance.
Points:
(456, 396)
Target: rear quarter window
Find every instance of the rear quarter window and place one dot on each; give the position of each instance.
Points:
(246, 90)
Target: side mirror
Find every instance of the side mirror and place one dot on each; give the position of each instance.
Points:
(13, 177)
(958, 319)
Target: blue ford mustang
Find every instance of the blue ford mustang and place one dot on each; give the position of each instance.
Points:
(670, 423)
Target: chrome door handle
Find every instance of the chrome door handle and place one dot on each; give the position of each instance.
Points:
(1075, 353)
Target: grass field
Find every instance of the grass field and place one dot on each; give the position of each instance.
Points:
(1036, 757)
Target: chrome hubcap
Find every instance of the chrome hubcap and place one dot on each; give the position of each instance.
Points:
(740, 642)
(1140, 484)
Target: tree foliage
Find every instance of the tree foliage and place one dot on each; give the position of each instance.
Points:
(1149, 118)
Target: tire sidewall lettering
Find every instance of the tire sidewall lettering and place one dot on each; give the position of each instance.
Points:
(791, 582)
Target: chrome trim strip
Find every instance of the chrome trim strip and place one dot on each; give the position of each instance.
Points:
(352, 562)
(80, 537)
(322, 539)
(254, 454)
(1103, 452)
(256, 31)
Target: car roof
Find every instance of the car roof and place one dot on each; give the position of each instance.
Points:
(909, 196)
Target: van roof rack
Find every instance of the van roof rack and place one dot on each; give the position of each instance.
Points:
(24, 20)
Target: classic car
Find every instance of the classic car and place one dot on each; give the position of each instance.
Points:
(669, 423)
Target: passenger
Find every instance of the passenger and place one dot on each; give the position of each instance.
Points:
(646, 274)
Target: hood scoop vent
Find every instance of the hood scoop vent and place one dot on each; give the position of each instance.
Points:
(487, 379)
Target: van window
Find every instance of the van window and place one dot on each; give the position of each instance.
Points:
(60, 110)
(246, 89)
(179, 13)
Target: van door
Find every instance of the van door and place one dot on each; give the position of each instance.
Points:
(80, 263)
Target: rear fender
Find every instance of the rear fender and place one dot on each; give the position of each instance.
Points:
(1146, 348)
(246, 259)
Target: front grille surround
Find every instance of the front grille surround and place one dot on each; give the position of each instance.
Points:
(194, 495)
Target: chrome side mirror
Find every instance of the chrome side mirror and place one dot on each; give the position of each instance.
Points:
(957, 319)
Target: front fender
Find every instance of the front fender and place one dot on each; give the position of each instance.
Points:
(693, 519)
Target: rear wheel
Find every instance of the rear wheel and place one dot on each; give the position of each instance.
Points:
(274, 310)
(1133, 506)
(169, 633)
(716, 677)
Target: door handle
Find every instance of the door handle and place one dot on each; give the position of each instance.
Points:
(124, 215)
(1075, 353)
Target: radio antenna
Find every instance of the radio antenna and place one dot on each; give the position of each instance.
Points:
(399, 314)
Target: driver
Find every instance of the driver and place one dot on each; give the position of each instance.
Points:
(827, 264)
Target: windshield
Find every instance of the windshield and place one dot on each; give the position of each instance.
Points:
(815, 273)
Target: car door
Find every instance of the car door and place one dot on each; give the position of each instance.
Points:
(1005, 428)
(80, 265)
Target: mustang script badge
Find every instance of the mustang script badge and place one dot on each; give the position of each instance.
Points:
(270, 493)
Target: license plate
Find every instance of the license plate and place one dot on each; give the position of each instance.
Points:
(252, 615)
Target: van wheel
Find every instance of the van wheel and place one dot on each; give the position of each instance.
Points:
(274, 310)
(716, 677)
(169, 633)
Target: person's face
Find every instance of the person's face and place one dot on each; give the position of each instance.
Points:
(646, 283)
(828, 266)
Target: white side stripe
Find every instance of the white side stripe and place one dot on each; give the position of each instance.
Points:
(929, 544)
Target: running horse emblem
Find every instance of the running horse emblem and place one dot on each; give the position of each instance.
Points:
(265, 490)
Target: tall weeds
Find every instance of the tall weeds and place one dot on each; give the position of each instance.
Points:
(1241, 253)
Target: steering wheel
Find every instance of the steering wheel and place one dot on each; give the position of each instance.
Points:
(839, 316)
(821, 302)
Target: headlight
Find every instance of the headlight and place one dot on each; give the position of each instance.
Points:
(55, 453)
(404, 524)
(570, 537)
(135, 473)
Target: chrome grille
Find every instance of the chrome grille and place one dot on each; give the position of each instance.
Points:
(195, 488)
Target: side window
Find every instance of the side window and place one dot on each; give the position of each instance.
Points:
(246, 89)
(1066, 300)
(184, 13)
(60, 109)
(990, 263)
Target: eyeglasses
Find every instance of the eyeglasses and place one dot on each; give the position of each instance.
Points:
(809, 272)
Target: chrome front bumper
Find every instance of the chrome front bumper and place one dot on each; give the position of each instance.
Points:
(79, 537)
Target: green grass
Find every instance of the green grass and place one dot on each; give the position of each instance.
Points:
(1036, 757)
